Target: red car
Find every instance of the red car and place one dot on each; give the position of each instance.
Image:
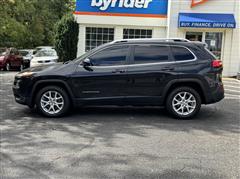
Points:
(10, 58)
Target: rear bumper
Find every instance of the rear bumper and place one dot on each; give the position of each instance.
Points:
(216, 95)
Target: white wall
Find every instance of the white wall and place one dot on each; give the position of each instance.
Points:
(158, 32)
(231, 48)
(158, 25)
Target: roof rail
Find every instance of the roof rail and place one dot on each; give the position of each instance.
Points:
(152, 39)
(200, 43)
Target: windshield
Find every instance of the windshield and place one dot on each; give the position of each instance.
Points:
(46, 53)
(24, 53)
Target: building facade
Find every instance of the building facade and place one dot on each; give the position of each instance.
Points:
(215, 22)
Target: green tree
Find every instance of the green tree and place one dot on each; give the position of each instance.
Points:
(30, 23)
(66, 38)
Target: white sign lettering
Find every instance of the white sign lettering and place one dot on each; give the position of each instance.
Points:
(105, 4)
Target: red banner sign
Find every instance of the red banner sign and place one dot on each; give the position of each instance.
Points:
(197, 2)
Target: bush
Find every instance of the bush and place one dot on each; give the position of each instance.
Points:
(66, 38)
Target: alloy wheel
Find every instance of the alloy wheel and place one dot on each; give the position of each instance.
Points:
(52, 102)
(184, 103)
(8, 67)
(21, 68)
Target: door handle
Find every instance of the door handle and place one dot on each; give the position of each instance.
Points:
(167, 69)
(119, 71)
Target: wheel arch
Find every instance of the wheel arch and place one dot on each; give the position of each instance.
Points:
(193, 83)
(44, 83)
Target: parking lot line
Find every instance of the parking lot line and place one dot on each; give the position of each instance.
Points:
(231, 81)
(230, 86)
(232, 90)
(232, 95)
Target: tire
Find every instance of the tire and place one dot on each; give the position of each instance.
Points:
(8, 67)
(183, 103)
(21, 68)
(47, 103)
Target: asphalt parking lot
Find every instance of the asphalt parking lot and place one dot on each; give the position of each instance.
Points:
(119, 142)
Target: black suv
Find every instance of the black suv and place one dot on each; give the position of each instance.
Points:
(174, 73)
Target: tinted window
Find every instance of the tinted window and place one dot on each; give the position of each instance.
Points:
(151, 54)
(181, 53)
(110, 57)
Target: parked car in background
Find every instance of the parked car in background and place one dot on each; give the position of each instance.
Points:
(27, 57)
(174, 73)
(44, 57)
(42, 48)
(10, 58)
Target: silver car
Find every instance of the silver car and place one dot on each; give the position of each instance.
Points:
(44, 57)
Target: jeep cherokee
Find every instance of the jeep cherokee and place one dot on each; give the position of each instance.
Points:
(175, 73)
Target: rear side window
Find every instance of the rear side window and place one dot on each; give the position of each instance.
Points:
(151, 54)
(181, 54)
(211, 54)
(110, 57)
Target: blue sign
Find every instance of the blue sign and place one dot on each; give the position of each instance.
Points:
(200, 20)
(207, 24)
(148, 8)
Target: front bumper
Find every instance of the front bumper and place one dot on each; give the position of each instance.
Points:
(22, 90)
(19, 98)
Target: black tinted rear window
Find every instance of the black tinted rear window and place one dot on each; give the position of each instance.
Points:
(181, 54)
(151, 54)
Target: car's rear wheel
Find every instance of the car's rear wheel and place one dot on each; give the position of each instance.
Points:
(52, 101)
(183, 103)
(8, 67)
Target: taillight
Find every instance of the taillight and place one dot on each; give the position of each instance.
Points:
(217, 64)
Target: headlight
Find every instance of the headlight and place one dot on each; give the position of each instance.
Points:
(25, 74)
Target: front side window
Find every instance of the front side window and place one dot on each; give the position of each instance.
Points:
(151, 54)
(96, 36)
(137, 33)
(182, 54)
(110, 57)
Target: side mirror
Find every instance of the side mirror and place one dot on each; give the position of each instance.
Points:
(87, 62)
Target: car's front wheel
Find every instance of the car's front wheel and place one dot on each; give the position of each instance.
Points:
(52, 101)
(183, 102)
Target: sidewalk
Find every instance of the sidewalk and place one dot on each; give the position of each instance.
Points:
(232, 88)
